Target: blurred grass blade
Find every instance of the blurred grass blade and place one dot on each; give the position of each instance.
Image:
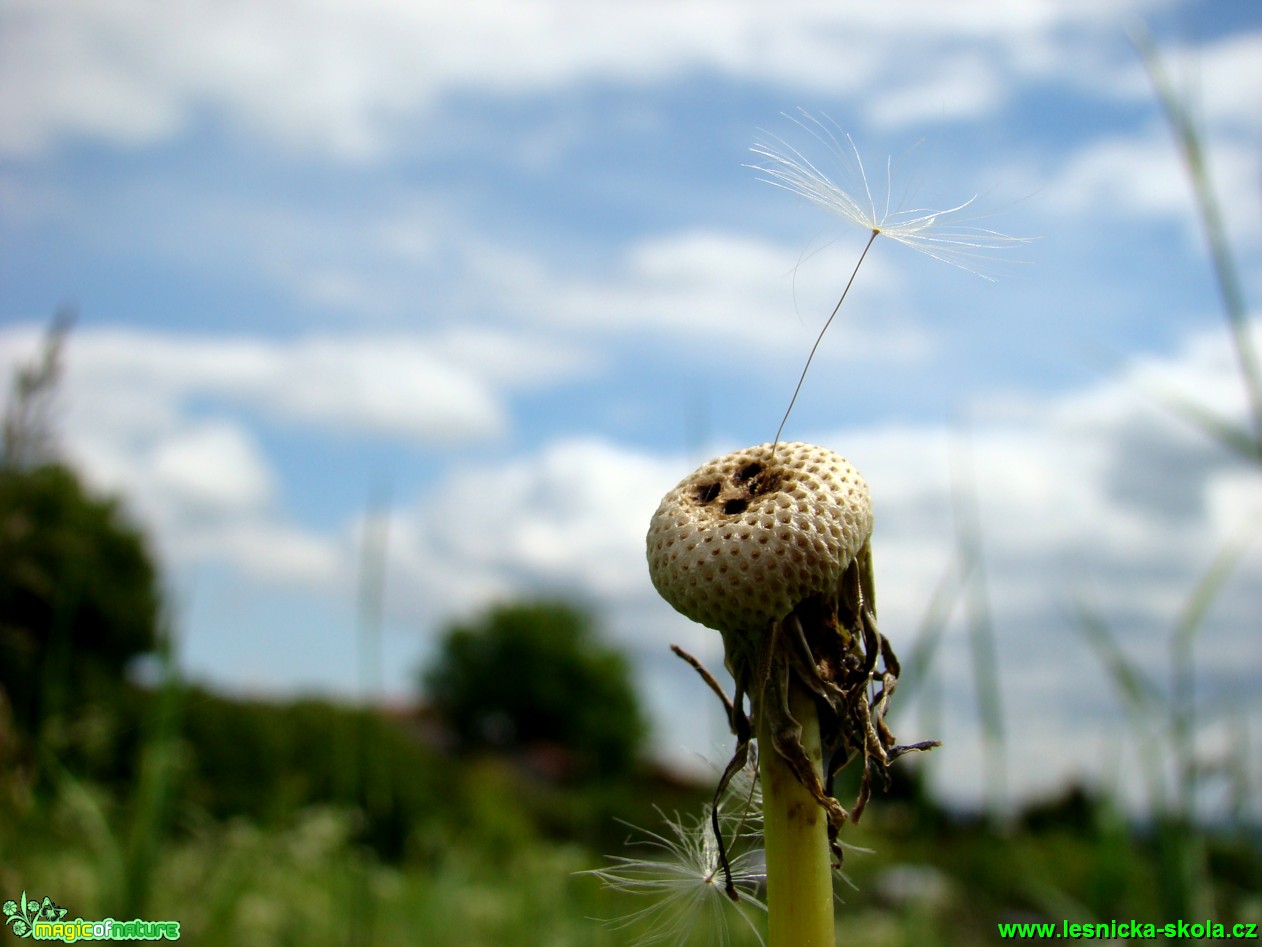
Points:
(1188, 139)
(1139, 693)
(1183, 711)
(158, 770)
(1192, 618)
(946, 594)
(981, 634)
(1142, 702)
(371, 791)
(1230, 434)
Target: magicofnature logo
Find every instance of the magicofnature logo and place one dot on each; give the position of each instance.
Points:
(46, 920)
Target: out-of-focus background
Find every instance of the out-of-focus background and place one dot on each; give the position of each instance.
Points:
(365, 339)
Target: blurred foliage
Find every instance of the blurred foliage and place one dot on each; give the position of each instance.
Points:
(78, 596)
(482, 870)
(307, 883)
(265, 761)
(223, 759)
(533, 674)
(79, 592)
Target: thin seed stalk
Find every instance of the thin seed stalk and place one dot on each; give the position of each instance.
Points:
(795, 836)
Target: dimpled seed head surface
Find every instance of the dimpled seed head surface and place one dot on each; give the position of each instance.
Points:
(745, 538)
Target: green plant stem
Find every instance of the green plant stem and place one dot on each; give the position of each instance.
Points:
(795, 829)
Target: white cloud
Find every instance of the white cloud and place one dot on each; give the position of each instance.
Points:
(1093, 497)
(1122, 173)
(267, 551)
(162, 419)
(709, 294)
(205, 491)
(335, 78)
(950, 86)
(212, 465)
(396, 386)
(571, 520)
(1142, 176)
(63, 68)
(445, 387)
(1217, 82)
(1142, 173)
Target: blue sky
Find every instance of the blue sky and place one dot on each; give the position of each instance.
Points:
(497, 274)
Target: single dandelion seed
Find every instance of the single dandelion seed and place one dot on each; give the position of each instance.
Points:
(927, 231)
(922, 229)
(684, 878)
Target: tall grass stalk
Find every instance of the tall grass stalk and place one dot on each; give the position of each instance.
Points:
(1226, 275)
(1167, 722)
(152, 799)
(368, 789)
(981, 637)
(920, 679)
(1183, 709)
(374, 542)
(1140, 698)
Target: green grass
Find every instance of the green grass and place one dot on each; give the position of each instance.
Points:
(308, 883)
(497, 879)
(234, 883)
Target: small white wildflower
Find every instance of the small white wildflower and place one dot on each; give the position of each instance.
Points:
(684, 878)
(920, 228)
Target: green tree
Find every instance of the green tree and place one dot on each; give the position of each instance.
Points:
(78, 588)
(536, 672)
(78, 593)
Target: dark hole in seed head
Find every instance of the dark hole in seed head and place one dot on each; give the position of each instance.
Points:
(756, 479)
(733, 507)
(708, 492)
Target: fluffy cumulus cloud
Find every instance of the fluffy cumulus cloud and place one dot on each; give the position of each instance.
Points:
(212, 465)
(431, 388)
(1093, 499)
(1099, 502)
(162, 419)
(711, 292)
(1141, 176)
(326, 76)
(1093, 502)
(1139, 172)
(569, 520)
